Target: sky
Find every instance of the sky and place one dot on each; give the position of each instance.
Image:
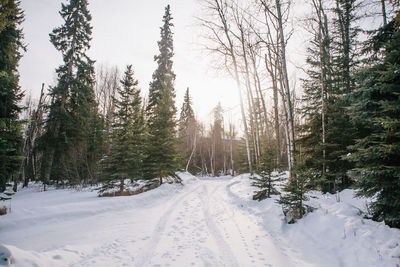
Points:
(126, 32)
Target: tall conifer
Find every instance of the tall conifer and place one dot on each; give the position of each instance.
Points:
(317, 88)
(73, 129)
(376, 113)
(161, 158)
(187, 133)
(125, 160)
(11, 17)
(340, 130)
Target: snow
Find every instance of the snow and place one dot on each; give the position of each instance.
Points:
(204, 222)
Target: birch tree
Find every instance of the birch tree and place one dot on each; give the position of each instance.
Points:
(222, 43)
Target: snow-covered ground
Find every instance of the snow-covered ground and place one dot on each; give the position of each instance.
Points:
(206, 222)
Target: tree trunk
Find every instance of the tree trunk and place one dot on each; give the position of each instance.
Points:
(286, 89)
(193, 150)
(222, 16)
(384, 12)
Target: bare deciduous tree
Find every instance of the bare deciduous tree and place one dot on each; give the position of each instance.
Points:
(222, 43)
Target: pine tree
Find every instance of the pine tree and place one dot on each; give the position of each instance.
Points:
(340, 131)
(73, 128)
(317, 87)
(296, 191)
(187, 114)
(187, 133)
(125, 160)
(161, 158)
(376, 112)
(265, 181)
(11, 17)
(217, 134)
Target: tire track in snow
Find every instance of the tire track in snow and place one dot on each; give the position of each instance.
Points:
(159, 229)
(228, 257)
(288, 255)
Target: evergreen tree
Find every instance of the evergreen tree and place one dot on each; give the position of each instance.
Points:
(295, 191)
(161, 160)
(11, 17)
(217, 146)
(127, 147)
(73, 129)
(265, 181)
(340, 131)
(376, 112)
(187, 133)
(317, 87)
(187, 115)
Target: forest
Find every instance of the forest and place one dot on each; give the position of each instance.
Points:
(337, 128)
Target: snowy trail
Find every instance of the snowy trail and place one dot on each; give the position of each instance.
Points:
(206, 222)
(198, 224)
(186, 234)
(203, 226)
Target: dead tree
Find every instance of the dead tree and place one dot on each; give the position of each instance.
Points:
(29, 166)
(107, 83)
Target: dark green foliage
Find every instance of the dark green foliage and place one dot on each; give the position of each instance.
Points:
(295, 191)
(187, 134)
(376, 112)
(340, 130)
(265, 181)
(317, 87)
(11, 17)
(73, 132)
(332, 59)
(187, 113)
(126, 156)
(161, 160)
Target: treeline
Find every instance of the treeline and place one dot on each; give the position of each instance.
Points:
(213, 151)
(95, 128)
(342, 131)
(87, 129)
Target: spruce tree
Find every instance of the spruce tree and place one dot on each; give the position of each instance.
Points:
(376, 112)
(265, 181)
(127, 147)
(73, 130)
(340, 130)
(11, 17)
(217, 148)
(295, 191)
(187, 114)
(187, 133)
(161, 160)
(317, 87)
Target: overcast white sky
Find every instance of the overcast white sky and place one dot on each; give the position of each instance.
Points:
(126, 32)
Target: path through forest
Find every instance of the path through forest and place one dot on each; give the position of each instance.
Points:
(204, 222)
(199, 224)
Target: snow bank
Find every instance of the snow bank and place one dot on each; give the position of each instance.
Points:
(13, 256)
(187, 178)
(207, 216)
(335, 234)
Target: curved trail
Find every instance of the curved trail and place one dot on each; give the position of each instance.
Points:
(159, 230)
(199, 224)
(204, 227)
